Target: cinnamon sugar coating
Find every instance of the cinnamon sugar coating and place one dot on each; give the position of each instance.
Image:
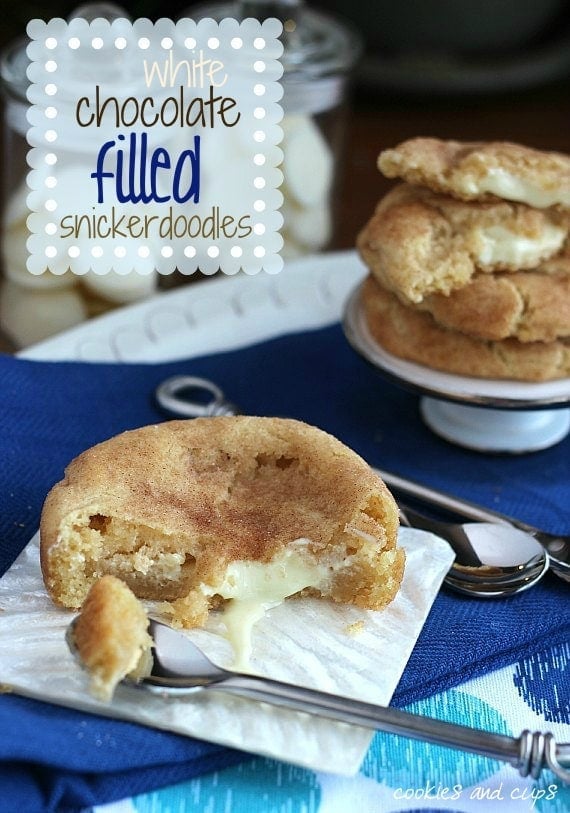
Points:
(411, 334)
(531, 306)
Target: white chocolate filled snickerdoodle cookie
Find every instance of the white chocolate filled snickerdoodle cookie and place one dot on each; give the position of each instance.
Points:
(418, 242)
(411, 334)
(482, 171)
(531, 306)
(196, 512)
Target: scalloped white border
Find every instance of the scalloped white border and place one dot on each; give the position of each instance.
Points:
(68, 59)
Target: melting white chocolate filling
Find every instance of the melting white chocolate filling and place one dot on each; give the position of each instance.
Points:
(505, 185)
(499, 246)
(252, 588)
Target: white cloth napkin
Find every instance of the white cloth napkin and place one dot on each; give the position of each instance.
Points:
(309, 642)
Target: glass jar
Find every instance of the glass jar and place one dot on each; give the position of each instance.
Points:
(34, 307)
(31, 307)
(320, 52)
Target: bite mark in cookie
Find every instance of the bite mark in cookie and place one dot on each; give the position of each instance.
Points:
(185, 511)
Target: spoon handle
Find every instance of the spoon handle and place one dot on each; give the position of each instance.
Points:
(529, 753)
(465, 509)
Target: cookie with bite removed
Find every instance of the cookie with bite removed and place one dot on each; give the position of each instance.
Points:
(181, 511)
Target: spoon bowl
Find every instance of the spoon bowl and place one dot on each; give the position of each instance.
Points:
(486, 590)
(491, 560)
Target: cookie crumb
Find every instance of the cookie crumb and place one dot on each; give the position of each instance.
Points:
(354, 629)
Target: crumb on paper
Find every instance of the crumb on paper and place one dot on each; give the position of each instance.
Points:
(355, 628)
(5, 688)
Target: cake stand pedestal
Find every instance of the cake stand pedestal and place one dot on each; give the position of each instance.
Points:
(482, 414)
(496, 430)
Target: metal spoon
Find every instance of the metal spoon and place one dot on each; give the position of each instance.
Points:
(557, 546)
(492, 560)
(180, 667)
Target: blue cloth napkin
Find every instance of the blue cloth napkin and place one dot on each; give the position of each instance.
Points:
(61, 760)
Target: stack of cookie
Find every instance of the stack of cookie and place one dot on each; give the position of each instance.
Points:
(469, 259)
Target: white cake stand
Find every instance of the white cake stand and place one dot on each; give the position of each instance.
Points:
(482, 414)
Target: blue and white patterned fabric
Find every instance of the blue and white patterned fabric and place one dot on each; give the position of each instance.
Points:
(400, 774)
